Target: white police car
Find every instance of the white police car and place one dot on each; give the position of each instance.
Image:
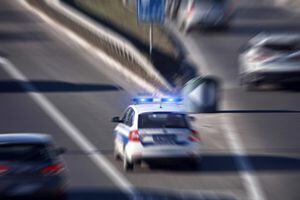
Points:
(155, 129)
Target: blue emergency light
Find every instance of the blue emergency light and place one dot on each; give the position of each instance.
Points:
(171, 100)
(142, 100)
(145, 100)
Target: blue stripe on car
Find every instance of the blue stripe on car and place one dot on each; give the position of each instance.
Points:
(122, 138)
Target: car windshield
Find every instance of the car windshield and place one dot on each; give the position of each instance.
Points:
(282, 47)
(162, 120)
(24, 152)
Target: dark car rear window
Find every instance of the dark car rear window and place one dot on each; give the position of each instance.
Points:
(24, 152)
(162, 120)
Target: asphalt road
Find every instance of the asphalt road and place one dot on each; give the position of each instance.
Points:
(267, 122)
(88, 93)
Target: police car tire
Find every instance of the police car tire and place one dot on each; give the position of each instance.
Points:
(127, 166)
(117, 155)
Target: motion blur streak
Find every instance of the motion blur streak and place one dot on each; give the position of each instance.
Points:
(69, 129)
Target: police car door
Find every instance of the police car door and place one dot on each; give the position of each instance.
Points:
(125, 128)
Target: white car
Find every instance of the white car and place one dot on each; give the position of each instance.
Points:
(270, 58)
(151, 129)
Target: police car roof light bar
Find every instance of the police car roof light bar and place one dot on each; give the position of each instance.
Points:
(142, 100)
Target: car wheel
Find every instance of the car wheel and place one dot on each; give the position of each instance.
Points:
(127, 166)
(116, 155)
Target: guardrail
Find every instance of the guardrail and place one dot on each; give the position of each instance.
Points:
(103, 38)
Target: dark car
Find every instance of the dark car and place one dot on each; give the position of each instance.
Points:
(31, 167)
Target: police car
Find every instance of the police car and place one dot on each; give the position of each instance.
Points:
(155, 129)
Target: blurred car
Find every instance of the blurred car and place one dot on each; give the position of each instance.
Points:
(204, 13)
(273, 58)
(31, 167)
(155, 129)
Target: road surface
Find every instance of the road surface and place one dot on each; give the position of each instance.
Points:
(88, 93)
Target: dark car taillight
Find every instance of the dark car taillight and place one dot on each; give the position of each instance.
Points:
(3, 169)
(53, 169)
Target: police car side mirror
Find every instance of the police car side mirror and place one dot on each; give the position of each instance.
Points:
(116, 120)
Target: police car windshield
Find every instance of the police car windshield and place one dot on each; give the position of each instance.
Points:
(162, 120)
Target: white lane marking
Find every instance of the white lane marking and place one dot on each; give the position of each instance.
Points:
(73, 132)
(132, 77)
(245, 169)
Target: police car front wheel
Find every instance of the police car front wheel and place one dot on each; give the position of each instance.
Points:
(117, 155)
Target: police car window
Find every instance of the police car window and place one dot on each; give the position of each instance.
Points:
(131, 117)
(162, 120)
(125, 115)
